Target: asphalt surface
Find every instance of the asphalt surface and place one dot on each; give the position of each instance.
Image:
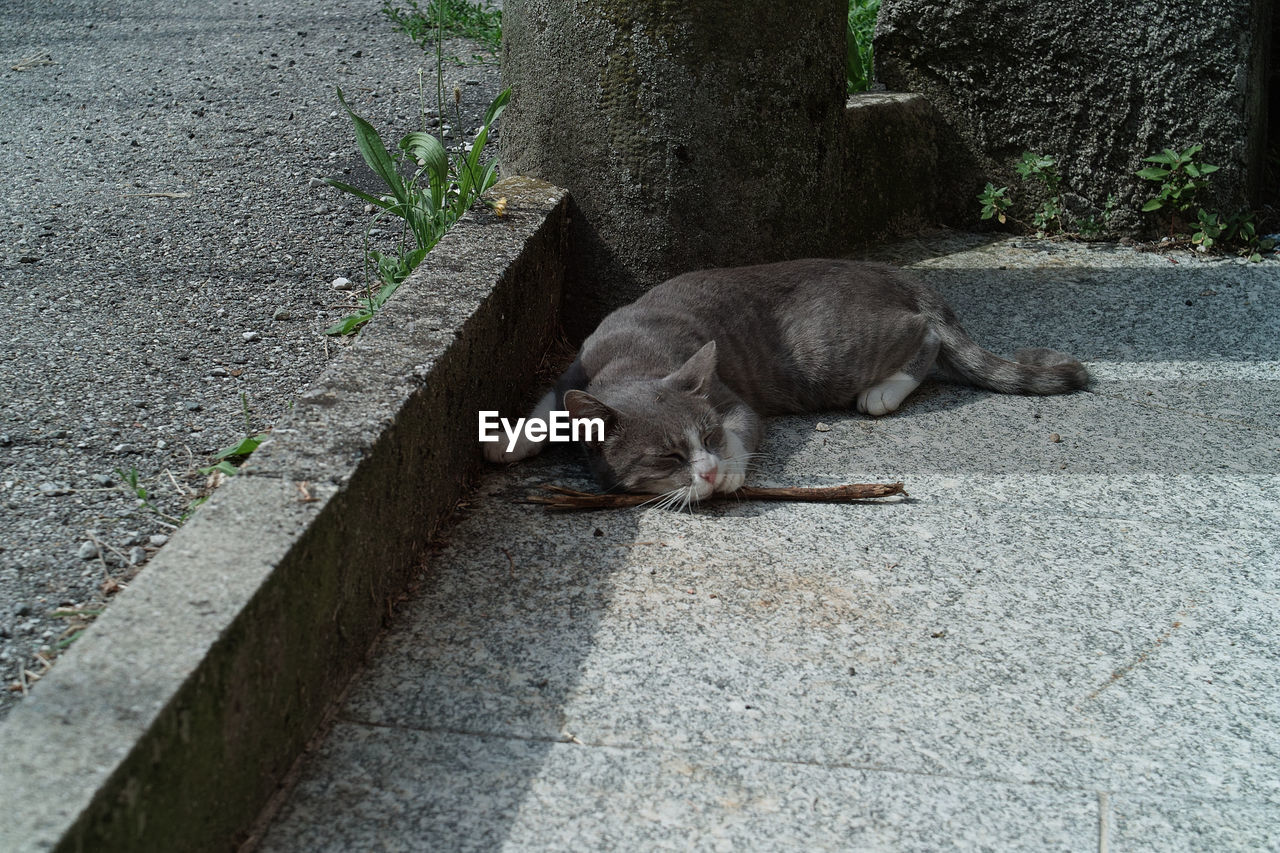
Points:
(166, 261)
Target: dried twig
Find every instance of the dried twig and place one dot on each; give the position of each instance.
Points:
(561, 498)
(33, 60)
(182, 490)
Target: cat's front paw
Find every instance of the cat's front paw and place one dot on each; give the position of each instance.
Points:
(497, 452)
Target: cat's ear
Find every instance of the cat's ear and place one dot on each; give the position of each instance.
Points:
(582, 405)
(695, 375)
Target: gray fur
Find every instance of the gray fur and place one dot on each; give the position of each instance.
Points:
(682, 374)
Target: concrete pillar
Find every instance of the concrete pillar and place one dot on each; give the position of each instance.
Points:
(690, 133)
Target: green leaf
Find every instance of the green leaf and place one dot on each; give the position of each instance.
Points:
(1207, 168)
(1153, 173)
(69, 639)
(375, 153)
(224, 466)
(347, 188)
(1154, 204)
(427, 150)
(347, 325)
(243, 448)
(1168, 157)
(495, 109)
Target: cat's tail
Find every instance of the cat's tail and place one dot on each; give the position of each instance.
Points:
(1034, 371)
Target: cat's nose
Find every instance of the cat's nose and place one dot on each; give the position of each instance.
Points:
(709, 475)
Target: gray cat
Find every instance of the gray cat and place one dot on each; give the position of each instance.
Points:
(682, 376)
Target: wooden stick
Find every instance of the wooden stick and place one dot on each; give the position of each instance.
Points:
(562, 498)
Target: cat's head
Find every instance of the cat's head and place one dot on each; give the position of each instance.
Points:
(661, 436)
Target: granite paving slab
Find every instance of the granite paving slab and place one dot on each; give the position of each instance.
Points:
(1065, 638)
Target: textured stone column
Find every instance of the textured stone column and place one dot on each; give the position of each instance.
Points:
(1096, 85)
(690, 133)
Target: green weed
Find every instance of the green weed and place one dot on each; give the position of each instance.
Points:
(477, 21)
(995, 202)
(1044, 170)
(133, 484)
(1051, 217)
(859, 59)
(1239, 231)
(441, 189)
(239, 451)
(1180, 177)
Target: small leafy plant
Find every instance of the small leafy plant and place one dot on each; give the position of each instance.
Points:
(440, 189)
(995, 202)
(1239, 230)
(1180, 177)
(1051, 217)
(241, 449)
(1044, 170)
(859, 59)
(1092, 227)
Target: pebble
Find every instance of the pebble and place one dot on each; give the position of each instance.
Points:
(251, 336)
(821, 427)
(54, 489)
(123, 448)
(194, 407)
(103, 480)
(137, 554)
(1054, 437)
(341, 283)
(5, 440)
(23, 610)
(87, 551)
(282, 314)
(158, 539)
(218, 371)
(316, 182)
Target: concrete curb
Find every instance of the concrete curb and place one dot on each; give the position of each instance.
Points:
(171, 721)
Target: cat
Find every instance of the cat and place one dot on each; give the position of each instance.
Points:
(682, 376)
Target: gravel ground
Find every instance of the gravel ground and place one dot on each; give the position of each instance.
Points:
(166, 259)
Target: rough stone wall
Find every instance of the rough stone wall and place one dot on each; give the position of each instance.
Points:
(1097, 84)
(690, 134)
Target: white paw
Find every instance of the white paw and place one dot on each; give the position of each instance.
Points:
(888, 395)
(497, 452)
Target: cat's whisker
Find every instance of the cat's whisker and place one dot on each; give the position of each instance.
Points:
(656, 499)
(663, 500)
(690, 497)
